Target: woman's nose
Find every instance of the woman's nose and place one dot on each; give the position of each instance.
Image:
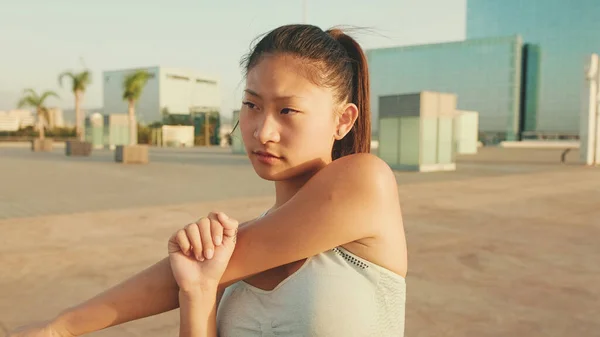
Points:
(267, 131)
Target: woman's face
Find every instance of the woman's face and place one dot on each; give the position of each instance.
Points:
(288, 123)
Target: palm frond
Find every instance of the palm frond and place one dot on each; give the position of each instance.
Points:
(134, 83)
(47, 94)
(30, 99)
(79, 81)
(85, 77)
(82, 80)
(25, 102)
(30, 92)
(65, 74)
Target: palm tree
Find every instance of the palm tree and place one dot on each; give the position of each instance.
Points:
(80, 82)
(32, 99)
(133, 85)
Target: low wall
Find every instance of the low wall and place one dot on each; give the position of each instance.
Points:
(541, 144)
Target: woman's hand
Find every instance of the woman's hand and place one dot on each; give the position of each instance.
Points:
(199, 253)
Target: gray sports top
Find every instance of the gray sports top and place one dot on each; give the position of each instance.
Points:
(335, 293)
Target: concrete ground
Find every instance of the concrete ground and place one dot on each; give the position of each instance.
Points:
(504, 246)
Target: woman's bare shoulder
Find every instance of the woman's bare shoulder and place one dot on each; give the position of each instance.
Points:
(362, 173)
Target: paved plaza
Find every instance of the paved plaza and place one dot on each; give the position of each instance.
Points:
(507, 245)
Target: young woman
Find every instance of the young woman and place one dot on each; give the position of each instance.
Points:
(329, 258)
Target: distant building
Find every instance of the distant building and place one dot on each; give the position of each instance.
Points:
(521, 67)
(14, 120)
(562, 34)
(8, 122)
(26, 118)
(169, 91)
(56, 118)
(107, 131)
(485, 74)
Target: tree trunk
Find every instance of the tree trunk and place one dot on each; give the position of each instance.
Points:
(78, 118)
(132, 133)
(206, 129)
(40, 122)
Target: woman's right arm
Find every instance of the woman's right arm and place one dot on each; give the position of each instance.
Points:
(150, 292)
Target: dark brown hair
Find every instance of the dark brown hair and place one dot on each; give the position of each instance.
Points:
(340, 63)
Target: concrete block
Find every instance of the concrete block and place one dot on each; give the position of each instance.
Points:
(416, 131)
(78, 148)
(131, 154)
(41, 145)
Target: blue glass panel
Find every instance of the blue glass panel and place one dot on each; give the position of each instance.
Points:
(565, 33)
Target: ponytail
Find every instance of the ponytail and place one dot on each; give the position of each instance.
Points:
(358, 140)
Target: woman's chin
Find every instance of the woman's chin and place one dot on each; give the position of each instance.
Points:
(268, 173)
(282, 170)
(272, 172)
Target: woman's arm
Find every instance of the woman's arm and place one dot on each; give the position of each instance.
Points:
(354, 197)
(198, 313)
(148, 293)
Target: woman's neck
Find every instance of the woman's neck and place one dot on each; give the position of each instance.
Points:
(286, 189)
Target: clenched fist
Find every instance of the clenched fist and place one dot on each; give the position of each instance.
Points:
(199, 252)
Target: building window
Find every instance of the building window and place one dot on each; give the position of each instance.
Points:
(199, 80)
(177, 77)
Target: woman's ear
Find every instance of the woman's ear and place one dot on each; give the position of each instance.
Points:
(346, 119)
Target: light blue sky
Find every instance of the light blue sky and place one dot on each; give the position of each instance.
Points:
(41, 38)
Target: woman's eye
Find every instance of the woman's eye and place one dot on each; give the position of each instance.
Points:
(286, 111)
(249, 105)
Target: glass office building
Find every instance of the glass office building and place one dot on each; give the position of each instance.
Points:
(485, 74)
(559, 36)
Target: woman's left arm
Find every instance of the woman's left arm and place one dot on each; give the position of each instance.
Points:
(198, 313)
(355, 197)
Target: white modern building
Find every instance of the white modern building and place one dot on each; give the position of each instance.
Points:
(8, 122)
(14, 120)
(57, 119)
(174, 91)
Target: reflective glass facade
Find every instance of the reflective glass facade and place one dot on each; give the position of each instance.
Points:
(561, 35)
(485, 74)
